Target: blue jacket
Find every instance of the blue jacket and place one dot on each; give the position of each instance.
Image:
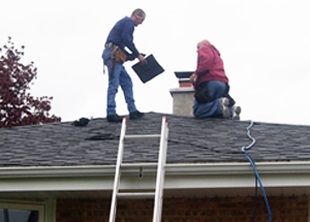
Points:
(122, 35)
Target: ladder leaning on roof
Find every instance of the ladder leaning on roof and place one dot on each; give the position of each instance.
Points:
(160, 176)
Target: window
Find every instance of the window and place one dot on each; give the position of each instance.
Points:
(21, 212)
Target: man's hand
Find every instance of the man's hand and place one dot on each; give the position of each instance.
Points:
(142, 59)
(193, 78)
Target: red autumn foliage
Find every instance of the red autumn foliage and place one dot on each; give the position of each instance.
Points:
(17, 106)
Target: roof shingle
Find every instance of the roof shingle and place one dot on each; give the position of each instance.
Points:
(190, 141)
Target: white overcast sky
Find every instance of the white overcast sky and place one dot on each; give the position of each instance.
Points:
(264, 44)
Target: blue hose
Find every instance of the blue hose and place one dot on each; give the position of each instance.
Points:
(244, 149)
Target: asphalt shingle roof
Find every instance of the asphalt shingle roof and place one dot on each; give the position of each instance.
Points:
(190, 141)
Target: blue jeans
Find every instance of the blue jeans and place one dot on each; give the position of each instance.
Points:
(216, 91)
(120, 77)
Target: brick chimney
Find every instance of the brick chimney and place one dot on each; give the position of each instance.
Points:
(183, 97)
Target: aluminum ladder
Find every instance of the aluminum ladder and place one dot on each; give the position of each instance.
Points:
(160, 175)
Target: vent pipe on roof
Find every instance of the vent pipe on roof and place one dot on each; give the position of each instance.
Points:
(183, 97)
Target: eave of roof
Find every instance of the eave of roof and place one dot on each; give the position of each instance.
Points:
(178, 176)
(201, 154)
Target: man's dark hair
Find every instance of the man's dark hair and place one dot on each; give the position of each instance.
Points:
(138, 12)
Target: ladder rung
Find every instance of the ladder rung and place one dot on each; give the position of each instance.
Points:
(143, 136)
(136, 195)
(138, 165)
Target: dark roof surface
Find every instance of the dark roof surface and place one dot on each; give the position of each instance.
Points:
(190, 141)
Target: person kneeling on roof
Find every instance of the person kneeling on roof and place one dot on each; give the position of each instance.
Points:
(211, 86)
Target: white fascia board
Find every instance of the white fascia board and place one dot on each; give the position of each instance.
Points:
(178, 176)
(299, 167)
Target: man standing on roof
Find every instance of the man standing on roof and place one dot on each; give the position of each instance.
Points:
(211, 85)
(114, 55)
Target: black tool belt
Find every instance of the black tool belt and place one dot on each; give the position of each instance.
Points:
(201, 93)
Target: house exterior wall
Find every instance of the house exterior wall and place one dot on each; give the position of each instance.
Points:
(204, 209)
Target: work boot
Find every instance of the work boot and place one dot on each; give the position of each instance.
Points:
(114, 118)
(136, 115)
(224, 102)
(236, 110)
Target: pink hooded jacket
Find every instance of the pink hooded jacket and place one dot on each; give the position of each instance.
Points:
(210, 65)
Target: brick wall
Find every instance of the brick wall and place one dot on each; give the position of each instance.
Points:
(215, 209)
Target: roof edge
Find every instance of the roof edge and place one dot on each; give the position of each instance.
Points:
(178, 177)
(171, 169)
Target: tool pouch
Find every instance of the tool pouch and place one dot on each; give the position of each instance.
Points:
(119, 55)
(201, 93)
